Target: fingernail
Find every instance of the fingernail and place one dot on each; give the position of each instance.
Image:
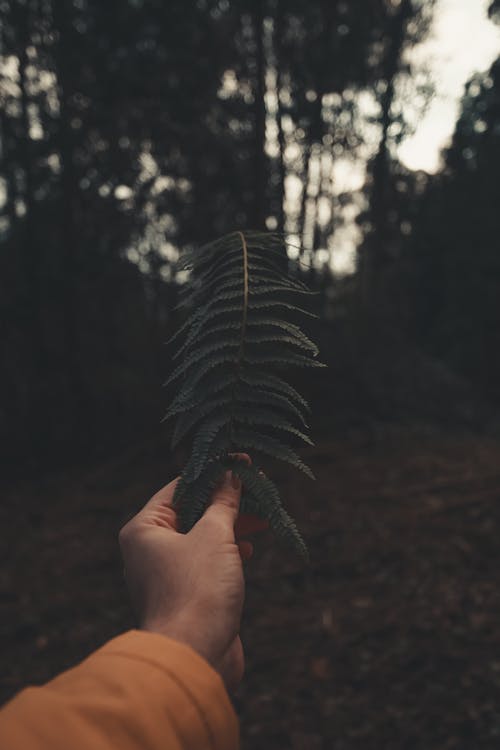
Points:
(235, 481)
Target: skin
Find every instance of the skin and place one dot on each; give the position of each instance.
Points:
(191, 587)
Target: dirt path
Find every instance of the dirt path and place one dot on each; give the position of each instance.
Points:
(390, 641)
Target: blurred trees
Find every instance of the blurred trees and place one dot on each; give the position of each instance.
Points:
(408, 24)
(453, 254)
(132, 129)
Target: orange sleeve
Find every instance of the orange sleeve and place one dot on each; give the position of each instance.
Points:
(140, 691)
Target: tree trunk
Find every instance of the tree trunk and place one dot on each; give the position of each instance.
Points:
(7, 154)
(279, 119)
(377, 253)
(27, 225)
(260, 176)
(69, 230)
(306, 168)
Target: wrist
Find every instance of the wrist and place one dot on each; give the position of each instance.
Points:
(182, 630)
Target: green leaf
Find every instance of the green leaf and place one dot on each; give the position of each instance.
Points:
(273, 383)
(203, 442)
(189, 398)
(281, 338)
(278, 400)
(203, 353)
(295, 360)
(205, 367)
(240, 296)
(248, 439)
(188, 420)
(192, 498)
(261, 496)
(254, 416)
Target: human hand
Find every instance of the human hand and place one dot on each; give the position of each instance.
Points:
(190, 587)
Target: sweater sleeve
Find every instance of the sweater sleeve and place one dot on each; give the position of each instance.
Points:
(140, 691)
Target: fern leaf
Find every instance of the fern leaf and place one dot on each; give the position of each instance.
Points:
(261, 497)
(278, 358)
(206, 435)
(228, 395)
(255, 321)
(190, 398)
(200, 354)
(268, 304)
(192, 498)
(206, 315)
(293, 340)
(278, 400)
(246, 412)
(275, 384)
(188, 420)
(258, 321)
(254, 416)
(248, 440)
(205, 367)
(259, 269)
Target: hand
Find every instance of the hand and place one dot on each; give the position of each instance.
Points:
(191, 586)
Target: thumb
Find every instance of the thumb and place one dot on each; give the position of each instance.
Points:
(225, 503)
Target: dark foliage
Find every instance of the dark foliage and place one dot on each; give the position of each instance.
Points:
(132, 130)
(229, 399)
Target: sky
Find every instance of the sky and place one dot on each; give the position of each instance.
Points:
(462, 41)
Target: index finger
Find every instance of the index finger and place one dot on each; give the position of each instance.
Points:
(164, 496)
(159, 510)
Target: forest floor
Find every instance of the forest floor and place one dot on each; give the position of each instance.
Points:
(391, 640)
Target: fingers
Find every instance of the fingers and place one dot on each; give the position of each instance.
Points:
(164, 497)
(159, 511)
(242, 457)
(246, 549)
(247, 523)
(224, 507)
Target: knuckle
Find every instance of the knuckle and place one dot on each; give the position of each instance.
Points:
(216, 519)
(227, 497)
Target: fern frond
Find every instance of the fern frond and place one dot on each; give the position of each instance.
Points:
(277, 400)
(214, 279)
(230, 396)
(203, 352)
(204, 368)
(261, 497)
(254, 441)
(280, 357)
(203, 316)
(245, 412)
(189, 398)
(192, 416)
(278, 337)
(192, 498)
(281, 325)
(275, 384)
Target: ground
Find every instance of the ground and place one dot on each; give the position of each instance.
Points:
(391, 639)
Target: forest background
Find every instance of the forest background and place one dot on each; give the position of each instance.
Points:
(131, 130)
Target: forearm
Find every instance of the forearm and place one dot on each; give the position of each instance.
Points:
(141, 691)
